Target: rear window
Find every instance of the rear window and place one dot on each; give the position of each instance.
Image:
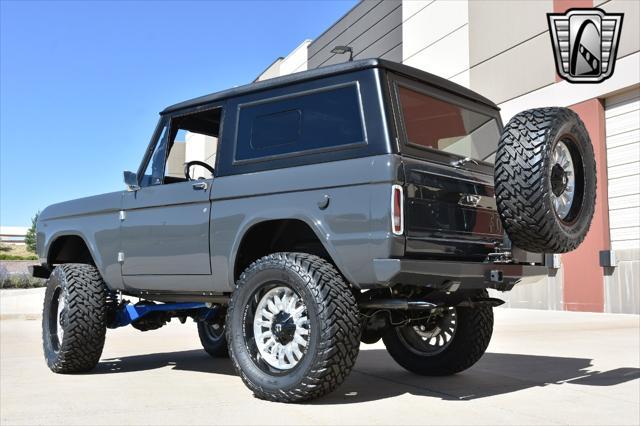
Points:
(300, 123)
(434, 124)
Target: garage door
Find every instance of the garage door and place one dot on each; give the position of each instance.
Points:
(622, 114)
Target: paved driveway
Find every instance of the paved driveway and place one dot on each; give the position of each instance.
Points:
(541, 368)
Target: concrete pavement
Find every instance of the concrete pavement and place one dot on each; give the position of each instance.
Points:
(542, 367)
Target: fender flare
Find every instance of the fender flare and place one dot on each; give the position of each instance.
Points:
(97, 260)
(316, 226)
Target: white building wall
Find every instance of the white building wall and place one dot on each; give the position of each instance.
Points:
(622, 283)
(272, 70)
(435, 37)
(622, 114)
(295, 61)
(175, 162)
(10, 234)
(201, 148)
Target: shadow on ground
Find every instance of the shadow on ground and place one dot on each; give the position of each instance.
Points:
(195, 360)
(376, 376)
(494, 374)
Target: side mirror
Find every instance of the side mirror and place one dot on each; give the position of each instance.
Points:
(131, 180)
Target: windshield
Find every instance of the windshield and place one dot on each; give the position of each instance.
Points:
(439, 125)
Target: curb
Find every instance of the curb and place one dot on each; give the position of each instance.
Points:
(21, 304)
(28, 317)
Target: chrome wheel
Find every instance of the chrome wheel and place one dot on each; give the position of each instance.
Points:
(281, 328)
(431, 336)
(563, 180)
(60, 322)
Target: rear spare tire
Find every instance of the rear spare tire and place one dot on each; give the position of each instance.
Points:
(74, 319)
(545, 180)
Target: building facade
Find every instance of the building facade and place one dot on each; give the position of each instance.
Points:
(13, 234)
(502, 50)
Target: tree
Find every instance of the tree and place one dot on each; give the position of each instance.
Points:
(30, 237)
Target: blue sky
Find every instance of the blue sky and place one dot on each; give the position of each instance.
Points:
(81, 83)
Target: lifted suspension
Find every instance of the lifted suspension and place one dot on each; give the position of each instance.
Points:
(155, 315)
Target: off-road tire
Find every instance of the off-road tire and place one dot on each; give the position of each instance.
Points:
(523, 180)
(85, 318)
(472, 336)
(335, 329)
(216, 347)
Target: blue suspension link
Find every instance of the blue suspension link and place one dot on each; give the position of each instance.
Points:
(128, 312)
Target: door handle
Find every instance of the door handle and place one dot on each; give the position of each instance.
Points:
(200, 186)
(462, 162)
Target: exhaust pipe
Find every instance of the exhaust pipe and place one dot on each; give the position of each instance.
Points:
(397, 304)
(421, 305)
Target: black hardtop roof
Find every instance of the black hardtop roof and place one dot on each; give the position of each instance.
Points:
(341, 68)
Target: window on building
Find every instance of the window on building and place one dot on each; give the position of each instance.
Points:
(300, 123)
(435, 124)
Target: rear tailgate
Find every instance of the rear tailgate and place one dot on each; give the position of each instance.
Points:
(449, 213)
(447, 142)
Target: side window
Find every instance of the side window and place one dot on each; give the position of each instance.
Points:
(277, 129)
(195, 138)
(154, 172)
(300, 123)
(190, 137)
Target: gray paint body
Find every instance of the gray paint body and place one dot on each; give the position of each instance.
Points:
(176, 241)
(354, 228)
(95, 220)
(179, 239)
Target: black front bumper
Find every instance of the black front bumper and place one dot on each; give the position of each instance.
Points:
(452, 275)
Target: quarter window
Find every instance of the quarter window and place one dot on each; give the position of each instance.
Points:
(300, 123)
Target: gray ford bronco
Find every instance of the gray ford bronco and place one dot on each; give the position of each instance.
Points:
(309, 213)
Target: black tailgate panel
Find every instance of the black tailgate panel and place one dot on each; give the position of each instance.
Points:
(450, 213)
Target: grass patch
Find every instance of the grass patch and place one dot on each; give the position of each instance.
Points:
(16, 252)
(14, 257)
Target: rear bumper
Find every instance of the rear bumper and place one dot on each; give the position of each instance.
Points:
(453, 275)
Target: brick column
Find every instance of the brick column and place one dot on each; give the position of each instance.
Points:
(583, 275)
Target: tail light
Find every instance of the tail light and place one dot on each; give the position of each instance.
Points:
(397, 210)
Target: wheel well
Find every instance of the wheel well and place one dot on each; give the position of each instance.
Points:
(69, 249)
(274, 236)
